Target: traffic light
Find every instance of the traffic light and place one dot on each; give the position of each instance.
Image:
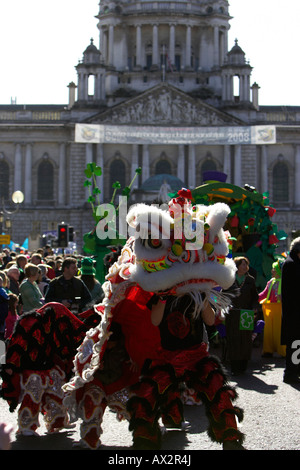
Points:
(71, 234)
(63, 235)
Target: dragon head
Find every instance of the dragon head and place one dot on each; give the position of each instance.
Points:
(178, 248)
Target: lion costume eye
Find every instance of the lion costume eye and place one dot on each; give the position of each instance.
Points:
(152, 243)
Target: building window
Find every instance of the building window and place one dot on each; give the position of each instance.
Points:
(163, 167)
(91, 85)
(45, 182)
(208, 165)
(236, 88)
(178, 62)
(281, 182)
(148, 61)
(117, 172)
(4, 180)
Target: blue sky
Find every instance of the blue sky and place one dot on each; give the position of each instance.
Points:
(42, 42)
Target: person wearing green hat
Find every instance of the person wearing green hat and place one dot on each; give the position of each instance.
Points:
(88, 273)
(270, 298)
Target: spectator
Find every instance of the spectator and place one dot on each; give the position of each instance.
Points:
(5, 281)
(48, 251)
(290, 294)
(36, 259)
(12, 316)
(58, 267)
(67, 288)
(13, 274)
(6, 257)
(88, 272)
(21, 261)
(4, 298)
(50, 268)
(238, 332)
(31, 295)
(270, 298)
(43, 281)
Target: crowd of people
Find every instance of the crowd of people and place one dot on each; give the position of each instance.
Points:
(30, 280)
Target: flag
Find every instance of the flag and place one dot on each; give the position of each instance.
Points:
(247, 320)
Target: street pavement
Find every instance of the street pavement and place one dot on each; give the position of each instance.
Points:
(271, 418)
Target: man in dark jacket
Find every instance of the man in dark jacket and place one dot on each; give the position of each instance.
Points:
(68, 289)
(290, 328)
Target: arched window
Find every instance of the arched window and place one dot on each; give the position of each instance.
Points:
(4, 180)
(208, 165)
(281, 182)
(45, 181)
(117, 172)
(163, 167)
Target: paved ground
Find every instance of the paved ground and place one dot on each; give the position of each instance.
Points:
(271, 421)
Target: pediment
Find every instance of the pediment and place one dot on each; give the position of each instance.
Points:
(165, 105)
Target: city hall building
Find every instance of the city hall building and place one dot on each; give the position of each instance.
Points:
(160, 89)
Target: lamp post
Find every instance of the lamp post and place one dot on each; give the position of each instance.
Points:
(5, 221)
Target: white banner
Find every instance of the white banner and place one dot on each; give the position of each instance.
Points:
(108, 134)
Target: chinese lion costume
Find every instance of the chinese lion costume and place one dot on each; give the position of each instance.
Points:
(176, 254)
(39, 360)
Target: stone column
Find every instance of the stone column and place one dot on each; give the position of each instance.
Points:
(297, 176)
(155, 61)
(111, 45)
(264, 169)
(86, 87)
(192, 168)
(188, 48)
(62, 175)
(145, 164)
(138, 46)
(181, 163)
(80, 92)
(104, 47)
(227, 162)
(172, 45)
(238, 165)
(18, 168)
(224, 87)
(216, 46)
(28, 175)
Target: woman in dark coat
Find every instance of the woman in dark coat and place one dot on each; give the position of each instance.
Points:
(239, 329)
(290, 327)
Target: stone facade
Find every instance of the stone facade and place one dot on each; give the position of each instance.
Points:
(164, 64)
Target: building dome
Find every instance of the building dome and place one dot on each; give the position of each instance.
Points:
(91, 54)
(236, 55)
